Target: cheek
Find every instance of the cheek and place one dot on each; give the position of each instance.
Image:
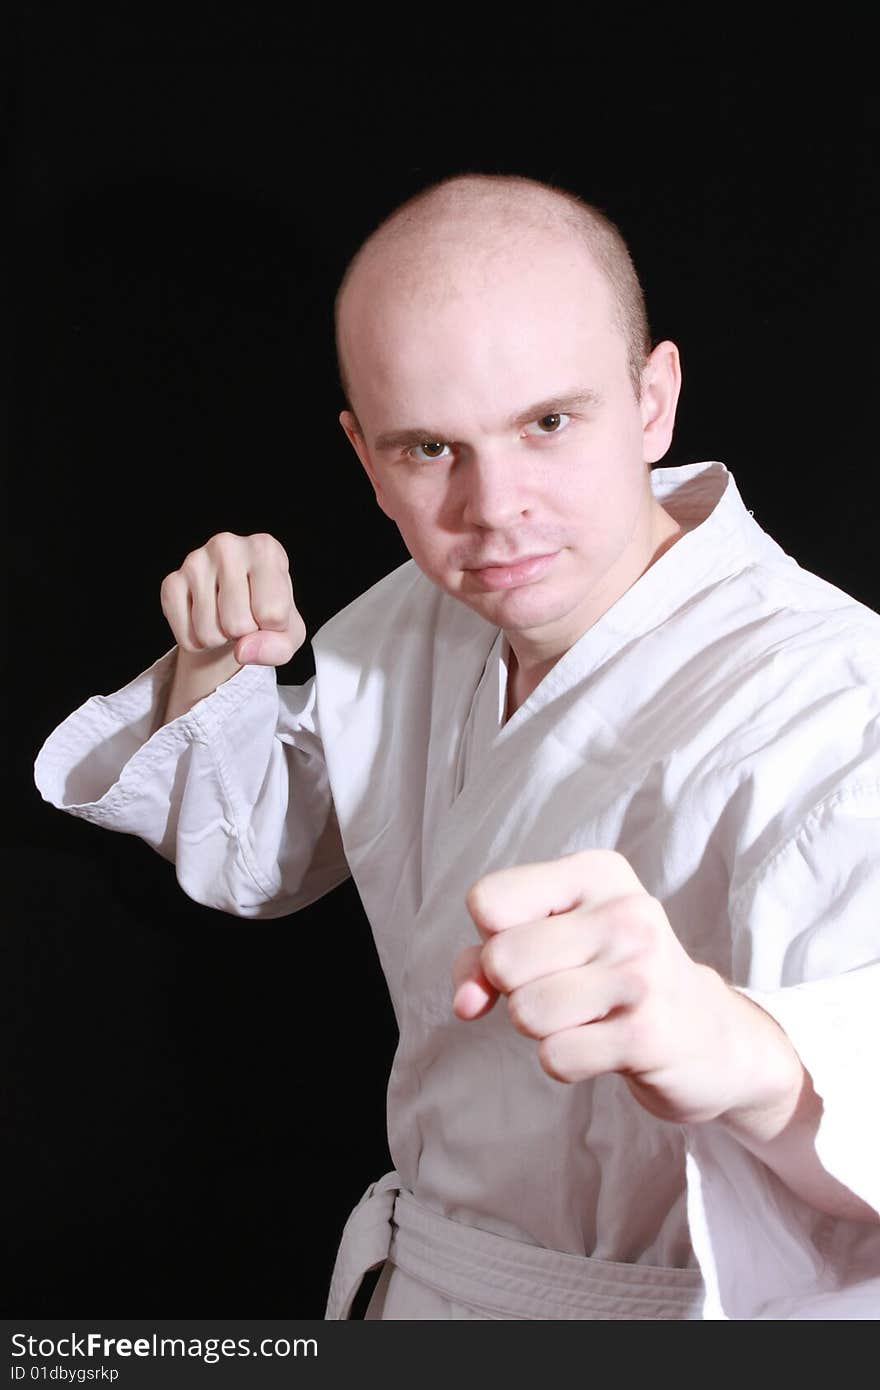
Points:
(602, 500)
(418, 521)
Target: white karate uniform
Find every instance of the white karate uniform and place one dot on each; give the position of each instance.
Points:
(719, 727)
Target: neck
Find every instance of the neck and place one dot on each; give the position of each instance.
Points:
(532, 654)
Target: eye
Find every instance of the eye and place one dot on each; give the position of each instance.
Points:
(554, 423)
(426, 444)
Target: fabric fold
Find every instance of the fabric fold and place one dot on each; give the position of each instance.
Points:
(765, 1253)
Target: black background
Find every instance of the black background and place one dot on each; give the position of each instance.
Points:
(196, 1102)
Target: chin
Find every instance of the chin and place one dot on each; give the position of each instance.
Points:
(519, 610)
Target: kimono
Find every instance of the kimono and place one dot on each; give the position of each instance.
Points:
(719, 726)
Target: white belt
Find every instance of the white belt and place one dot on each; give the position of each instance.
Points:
(494, 1273)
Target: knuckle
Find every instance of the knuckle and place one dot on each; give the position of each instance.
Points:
(223, 544)
(618, 917)
(614, 864)
(521, 1009)
(478, 900)
(237, 627)
(194, 563)
(272, 614)
(496, 963)
(170, 585)
(266, 547)
(648, 918)
(553, 1059)
(635, 917)
(472, 899)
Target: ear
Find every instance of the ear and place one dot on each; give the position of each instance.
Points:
(354, 434)
(661, 386)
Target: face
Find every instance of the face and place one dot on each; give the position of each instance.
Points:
(501, 433)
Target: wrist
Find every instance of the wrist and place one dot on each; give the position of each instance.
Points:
(197, 674)
(211, 659)
(771, 1076)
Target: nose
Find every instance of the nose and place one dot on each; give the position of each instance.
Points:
(493, 495)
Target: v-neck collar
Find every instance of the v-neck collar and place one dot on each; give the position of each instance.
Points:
(469, 747)
(720, 537)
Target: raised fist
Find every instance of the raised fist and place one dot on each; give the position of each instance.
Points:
(235, 593)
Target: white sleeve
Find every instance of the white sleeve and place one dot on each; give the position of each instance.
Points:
(234, 792)
(806, 936)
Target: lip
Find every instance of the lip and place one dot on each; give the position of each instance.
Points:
(528, 570)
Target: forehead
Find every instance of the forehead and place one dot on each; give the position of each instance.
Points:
(473, 326)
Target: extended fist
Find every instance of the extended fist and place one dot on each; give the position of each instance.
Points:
(591, 968)
(235, 592)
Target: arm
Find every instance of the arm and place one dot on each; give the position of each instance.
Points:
(226, 780)
(807, 951)
(592, 969)
(778, 1115)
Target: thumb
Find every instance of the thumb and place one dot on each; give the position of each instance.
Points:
(474, 995)
(265, 648)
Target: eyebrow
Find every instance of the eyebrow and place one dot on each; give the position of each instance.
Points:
(583, 398)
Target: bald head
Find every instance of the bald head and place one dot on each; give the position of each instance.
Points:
(459, 228)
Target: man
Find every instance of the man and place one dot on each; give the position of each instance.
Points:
(600, 748)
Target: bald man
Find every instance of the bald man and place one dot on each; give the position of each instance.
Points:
(604, 763)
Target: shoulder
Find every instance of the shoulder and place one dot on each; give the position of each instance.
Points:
(800, 676)
(747, 587)
(790, 621)
(794, 682)
(766, 685)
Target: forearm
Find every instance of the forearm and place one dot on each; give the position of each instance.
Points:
(779, 1118)
(197, 674)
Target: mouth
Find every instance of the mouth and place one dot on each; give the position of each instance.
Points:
(510, 574)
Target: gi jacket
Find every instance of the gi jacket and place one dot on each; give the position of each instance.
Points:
(718, 726)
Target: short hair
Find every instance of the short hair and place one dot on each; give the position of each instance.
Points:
(518, 200)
